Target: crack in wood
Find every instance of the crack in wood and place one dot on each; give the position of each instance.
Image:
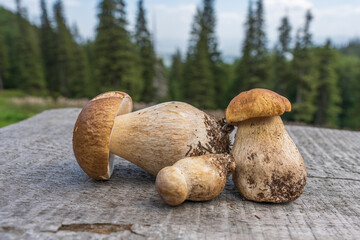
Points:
(100, 228)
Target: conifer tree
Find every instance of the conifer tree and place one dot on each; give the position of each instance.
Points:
(260, 36)
(304, 75)
(118, 65)
(176, 77)
(348, 71)
(81, 86)
(65, 68)
(328, 98)
(252, 71)
(246, 64)
(202, 75)
(47, 39)
(146, 53)
(4, 62)
(282, 71)
(71, 63)
(29, 72)
(214, 53)
(89, 49)
(199, 87)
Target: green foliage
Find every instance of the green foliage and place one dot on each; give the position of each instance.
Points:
(117, 64)
(281, 74)
(348, 71)
(71, 68)
(48, 50)
(146, 53)
(304, 79)
(351, 48)
(29, 73)
(81, 85)
(199, 87)
(176, 77)
(252, 71)
(202, 75)
(4, 62)
(328, 96)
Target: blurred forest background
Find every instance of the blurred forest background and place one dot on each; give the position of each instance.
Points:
(52, 61)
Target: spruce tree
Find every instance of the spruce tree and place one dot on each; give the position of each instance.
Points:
(89, 49)
(328, 98)
(47, 39)
(214, 54)
(65, 68)
(118, 65)
(199, 87)
(282, 71)
(4, 62)
(71, 64)
(260, 36)
(28, 68)
(246, 64)
(203, 74)
(252, 71)
(80, 86)
(176, 77)
(304, 75)
(348, 72)
(146, 53)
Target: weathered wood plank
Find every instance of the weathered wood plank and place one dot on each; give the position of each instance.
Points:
(42, 188)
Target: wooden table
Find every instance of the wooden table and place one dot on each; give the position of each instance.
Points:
(45, 195)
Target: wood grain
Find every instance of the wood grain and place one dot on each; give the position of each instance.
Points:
(44, 191)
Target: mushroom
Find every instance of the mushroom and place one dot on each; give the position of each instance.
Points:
(151, 138)
(198, 178)
(269, 167)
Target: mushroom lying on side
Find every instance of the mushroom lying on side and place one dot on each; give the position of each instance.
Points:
(151, 138)
(194, 178)
(269, 167)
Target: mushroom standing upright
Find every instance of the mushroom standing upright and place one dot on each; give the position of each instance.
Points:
(269, 167)
(198, 178)
(151, 138)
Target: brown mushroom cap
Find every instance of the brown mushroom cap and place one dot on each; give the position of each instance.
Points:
(92, 130)
(256, 103)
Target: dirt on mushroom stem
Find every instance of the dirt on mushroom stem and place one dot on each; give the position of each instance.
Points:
(218, 135)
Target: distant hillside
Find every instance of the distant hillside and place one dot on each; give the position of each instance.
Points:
(10, 32)
(9, 26)
(352, 48)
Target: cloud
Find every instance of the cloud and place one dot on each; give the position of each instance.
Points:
(230, 29)
(173, 23)
(286, 4)
(72, 3)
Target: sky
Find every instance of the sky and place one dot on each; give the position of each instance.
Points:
(170, 20)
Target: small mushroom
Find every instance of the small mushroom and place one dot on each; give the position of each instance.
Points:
(269, 167)
(151, 138)
(198, 178)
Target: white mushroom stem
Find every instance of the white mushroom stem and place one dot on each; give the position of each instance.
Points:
(269, 167)
(198, 178)
(156, 137)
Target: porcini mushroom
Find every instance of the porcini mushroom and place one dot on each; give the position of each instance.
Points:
(269, 167)
(198, 178)
(92, 130)
(151, 138)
